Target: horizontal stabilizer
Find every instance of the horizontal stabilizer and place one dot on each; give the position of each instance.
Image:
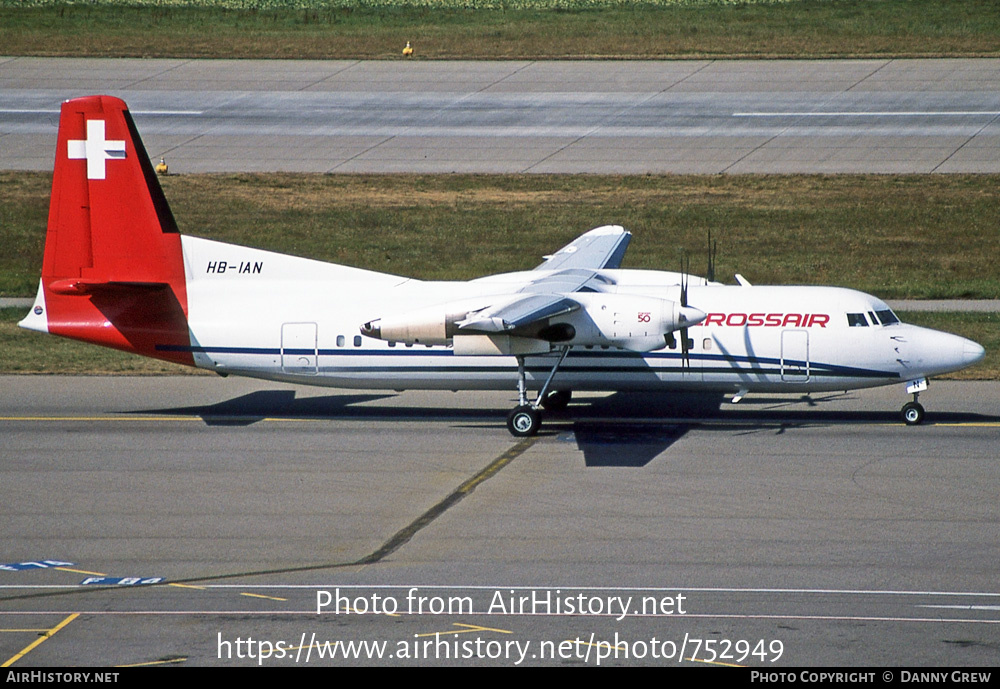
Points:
(84, 287)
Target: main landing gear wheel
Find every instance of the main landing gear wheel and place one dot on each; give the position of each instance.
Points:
(524, 421)
(526, 418)
(913, 413)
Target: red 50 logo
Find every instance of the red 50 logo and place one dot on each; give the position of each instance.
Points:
(644, 316)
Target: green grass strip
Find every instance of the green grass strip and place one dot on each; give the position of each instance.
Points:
(899, 237)
(501, 29)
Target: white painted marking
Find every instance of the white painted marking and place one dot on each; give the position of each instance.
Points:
(991, 608)
(873, 113)
(96, 149)
(311, 612)
(638, 589)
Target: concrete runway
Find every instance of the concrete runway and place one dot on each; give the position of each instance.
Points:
(811, 116)
(817, 531)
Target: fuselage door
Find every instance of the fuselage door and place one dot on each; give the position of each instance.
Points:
(298, 348)
(795, 356)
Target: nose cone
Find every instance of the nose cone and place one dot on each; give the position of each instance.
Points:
(932, 352)
(972, 352)
(688, 315)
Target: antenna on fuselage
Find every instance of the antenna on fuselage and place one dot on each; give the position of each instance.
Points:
(712, 249)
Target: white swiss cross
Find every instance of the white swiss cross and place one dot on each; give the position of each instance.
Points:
(96, 149)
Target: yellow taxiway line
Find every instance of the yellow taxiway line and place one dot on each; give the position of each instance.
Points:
(47, 634)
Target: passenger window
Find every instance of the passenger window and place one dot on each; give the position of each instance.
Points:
(707, 343)
(357, 340)
(857, 320)
(340, 340)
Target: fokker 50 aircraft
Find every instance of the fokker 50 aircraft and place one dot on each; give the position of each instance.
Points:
(117, 273)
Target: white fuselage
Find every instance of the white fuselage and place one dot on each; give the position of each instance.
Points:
(267, 315)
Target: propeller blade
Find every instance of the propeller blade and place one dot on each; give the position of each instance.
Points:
(685, 264)
(684, 310)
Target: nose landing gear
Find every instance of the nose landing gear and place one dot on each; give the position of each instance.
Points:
(913, 412)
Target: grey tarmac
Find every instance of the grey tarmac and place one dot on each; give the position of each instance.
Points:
(820, 523)
(692, 116)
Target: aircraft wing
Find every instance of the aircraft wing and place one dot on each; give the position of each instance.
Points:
(602, 247)
(571, 269)
(517, 313)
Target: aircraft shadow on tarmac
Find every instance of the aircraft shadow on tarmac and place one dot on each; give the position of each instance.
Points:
(283, 404)
(609, 431)
(620, 430)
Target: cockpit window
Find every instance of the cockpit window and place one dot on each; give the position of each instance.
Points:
(857, 320)
(887, 317)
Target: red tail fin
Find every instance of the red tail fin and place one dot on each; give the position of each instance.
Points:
(113, 272)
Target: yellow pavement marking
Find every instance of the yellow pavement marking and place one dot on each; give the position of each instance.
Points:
(199, 418)
(100, 418)
(81, 571)
(469, 628)
(604, 644)
(196, 417)
(24, 630)
(318, 644)
(713, 662)
(154, 662)
(257, 595)
(476, 627)
(598, 644)
(47, 634)
(183, 586)
(406, 533)
(354, 611)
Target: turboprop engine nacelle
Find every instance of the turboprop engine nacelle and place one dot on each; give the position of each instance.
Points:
(433, 325)
(631, 322)
(430, 329)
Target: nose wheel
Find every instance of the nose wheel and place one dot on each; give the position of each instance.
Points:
(913, 413)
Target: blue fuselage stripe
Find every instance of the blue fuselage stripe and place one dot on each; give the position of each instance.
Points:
(574, 362)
